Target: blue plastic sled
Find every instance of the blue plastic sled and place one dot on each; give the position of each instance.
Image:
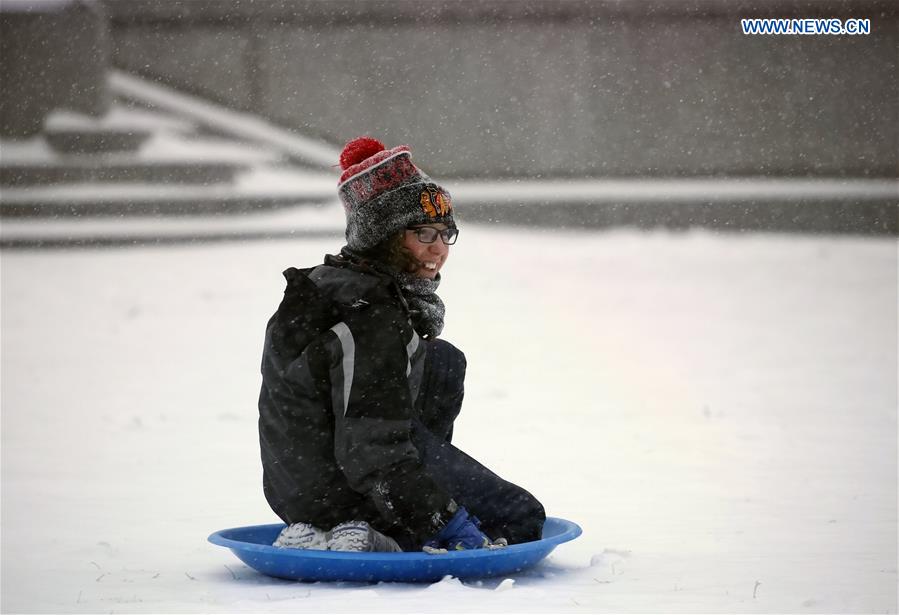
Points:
(253, 545)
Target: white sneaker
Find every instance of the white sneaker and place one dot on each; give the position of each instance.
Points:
(302, 536)
(361, 537)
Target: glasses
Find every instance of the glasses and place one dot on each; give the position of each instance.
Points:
(428, 234)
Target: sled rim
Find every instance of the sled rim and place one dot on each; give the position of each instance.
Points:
(562, 531)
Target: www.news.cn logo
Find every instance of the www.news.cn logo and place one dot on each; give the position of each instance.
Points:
(833, 27)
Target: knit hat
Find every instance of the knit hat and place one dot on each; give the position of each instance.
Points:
(383, 192)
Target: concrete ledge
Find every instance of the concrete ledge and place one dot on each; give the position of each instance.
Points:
(798, 206)
(677, 190)
(808, 206)
(834, 218)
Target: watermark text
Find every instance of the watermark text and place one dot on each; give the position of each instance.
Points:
(807, 27)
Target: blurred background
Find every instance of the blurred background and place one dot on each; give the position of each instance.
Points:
(675, 285)
(575, 113)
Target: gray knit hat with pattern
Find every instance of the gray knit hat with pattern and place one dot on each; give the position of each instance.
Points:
(384, 192)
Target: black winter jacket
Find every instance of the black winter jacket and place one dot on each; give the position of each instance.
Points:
(341, 370)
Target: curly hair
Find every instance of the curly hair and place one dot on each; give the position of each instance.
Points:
(391, 252)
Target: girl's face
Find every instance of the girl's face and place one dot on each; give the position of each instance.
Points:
(426, 258)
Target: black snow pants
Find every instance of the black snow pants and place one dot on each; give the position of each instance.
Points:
(504, 509)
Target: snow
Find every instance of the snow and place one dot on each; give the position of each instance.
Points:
(718, 412)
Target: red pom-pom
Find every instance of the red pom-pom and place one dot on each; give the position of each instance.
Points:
(358, 150)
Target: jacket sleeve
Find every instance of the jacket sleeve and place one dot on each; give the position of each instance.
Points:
(369, 358)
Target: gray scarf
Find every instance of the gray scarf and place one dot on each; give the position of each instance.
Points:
(425, 307)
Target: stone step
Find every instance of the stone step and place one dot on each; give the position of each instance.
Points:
(121, 116)
(164, 158)
(76, 141)
(26, 174)
(122, 129)
(290, 222)
(258, 189)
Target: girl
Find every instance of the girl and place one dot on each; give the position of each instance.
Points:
(359, 394)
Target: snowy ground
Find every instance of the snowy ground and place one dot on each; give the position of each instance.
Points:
(717, 412)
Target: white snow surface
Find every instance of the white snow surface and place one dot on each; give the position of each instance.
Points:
(718, 412)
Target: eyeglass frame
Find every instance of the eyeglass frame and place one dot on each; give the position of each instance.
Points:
(441, 233)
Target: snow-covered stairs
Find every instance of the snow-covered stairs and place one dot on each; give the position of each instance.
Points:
(157, 169)
(102, 168)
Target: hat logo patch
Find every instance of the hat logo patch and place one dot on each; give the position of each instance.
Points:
(435, 202)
